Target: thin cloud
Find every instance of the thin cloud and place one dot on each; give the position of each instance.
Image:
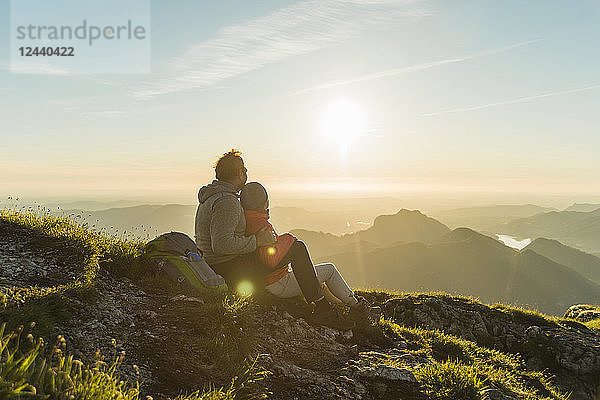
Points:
(512, 101)
(40, 67)
(299, 29)
(103, 113)
(413, 68)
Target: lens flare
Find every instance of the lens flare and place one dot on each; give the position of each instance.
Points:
(271, 251)
(245, 288)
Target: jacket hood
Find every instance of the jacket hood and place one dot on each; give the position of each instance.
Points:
(213, 188)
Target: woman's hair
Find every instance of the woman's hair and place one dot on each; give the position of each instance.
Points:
(253, 196)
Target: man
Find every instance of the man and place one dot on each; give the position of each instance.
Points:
(220, 228)
(220, 224)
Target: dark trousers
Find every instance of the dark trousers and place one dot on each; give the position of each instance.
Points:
(244, 267)
(248, 267)
(304, 271)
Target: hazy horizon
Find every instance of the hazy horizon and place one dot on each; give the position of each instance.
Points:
(375, 204)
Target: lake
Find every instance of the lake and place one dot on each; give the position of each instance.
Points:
(512, 242)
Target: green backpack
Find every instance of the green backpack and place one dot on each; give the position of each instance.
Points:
(177, 254)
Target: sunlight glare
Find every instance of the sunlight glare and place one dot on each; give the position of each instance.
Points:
(342, 122)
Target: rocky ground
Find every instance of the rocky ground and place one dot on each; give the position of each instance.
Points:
(28, 259)
(162, 335)
(569, 349)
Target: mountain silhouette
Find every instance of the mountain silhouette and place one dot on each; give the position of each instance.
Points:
(582, 207)
(574, 228)
(586, 264)
(404, 226)
(470, 263)
(139, 219)
(487, 218)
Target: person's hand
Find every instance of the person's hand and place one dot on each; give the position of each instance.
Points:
(265, 237)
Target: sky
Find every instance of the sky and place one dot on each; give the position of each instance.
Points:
(324, 98)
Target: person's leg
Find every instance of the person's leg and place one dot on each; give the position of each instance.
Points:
(304, 271)
(225, 269)
(329, 274)
(286, 287)
(245, 267)
(306, 278)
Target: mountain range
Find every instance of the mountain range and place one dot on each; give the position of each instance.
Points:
(580, 229)
(410, 251)
(487, 218)
(467, 262)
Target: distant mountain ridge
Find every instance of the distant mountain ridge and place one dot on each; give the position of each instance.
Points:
(142, 219)
(582, 207)
(586, 264)
(404, 226)
(574, 228)
(486, 218)
(467, 262)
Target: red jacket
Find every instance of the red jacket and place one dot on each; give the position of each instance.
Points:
(273, 254)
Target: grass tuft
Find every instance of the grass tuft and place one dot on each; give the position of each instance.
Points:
(451, 380)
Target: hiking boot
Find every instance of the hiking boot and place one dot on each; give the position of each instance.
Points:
(364, 311)
(331, 318)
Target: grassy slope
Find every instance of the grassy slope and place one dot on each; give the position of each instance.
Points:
(457, 370)
(30, 369)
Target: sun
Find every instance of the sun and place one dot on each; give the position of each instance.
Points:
(342, 123)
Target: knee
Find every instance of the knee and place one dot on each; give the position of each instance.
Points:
(330, 266)
(329, 270)
(299, 246)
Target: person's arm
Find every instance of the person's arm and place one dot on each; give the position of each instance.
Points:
(224, 219)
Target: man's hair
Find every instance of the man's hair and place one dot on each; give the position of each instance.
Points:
(228, 165)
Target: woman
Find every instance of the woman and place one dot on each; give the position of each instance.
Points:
(302, 277)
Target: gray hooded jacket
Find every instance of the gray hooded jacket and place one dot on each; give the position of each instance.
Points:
(221, 224)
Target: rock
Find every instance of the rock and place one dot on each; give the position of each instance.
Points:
(183, 297)
(179, 297)
(150, 314)
(389, 373)
(533, 332)
(494, 394)
(380, 389)
(574, 311)
(588, 315)
(194, 300)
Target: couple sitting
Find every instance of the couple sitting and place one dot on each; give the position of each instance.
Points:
(240, 244)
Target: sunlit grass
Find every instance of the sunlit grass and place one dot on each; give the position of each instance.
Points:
(94, 246)
(460, 369)
(25, 373)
